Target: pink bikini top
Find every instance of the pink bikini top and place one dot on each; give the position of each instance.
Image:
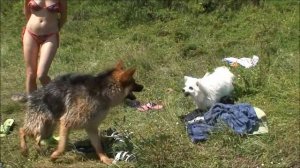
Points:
(52, 8)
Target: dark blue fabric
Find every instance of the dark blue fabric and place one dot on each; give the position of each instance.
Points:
(241, 118)
(199, 131)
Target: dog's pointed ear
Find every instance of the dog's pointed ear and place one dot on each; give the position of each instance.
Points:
(119, 65)
(185, 78)
(197, 83)
(127, 74)
(206, 74)
(201, 87)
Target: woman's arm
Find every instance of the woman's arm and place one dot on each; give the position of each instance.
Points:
(63, 13)
(26, 10)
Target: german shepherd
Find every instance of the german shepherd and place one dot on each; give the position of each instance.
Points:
(76, 101)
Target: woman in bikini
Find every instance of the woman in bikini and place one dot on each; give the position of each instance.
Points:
(40, 39)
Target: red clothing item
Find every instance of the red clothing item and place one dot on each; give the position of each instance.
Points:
(36, 7)
(40, 39)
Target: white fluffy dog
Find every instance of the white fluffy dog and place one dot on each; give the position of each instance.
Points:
(209, 89)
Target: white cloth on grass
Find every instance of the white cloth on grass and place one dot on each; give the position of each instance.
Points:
(245, 62)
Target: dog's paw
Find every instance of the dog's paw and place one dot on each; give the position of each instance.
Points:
(24, 152)
(107, 160)
(54, 155)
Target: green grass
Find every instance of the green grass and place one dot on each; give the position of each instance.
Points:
(165, 42)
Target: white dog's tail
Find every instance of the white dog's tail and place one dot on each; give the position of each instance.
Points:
(224, 71)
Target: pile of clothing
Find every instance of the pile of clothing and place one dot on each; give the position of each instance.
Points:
(241, 118)
(245, 62)
(116, 144)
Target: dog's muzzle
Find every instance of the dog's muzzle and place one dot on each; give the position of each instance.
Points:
(185, 93)
(136, 88)
(131, 96)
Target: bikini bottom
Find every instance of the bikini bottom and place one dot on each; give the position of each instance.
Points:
(40, 39)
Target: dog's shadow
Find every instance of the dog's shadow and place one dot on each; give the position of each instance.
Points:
(85, 148)
(110, 146)
(231, 99)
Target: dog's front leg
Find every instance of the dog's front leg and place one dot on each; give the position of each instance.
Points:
(95, 140)
(63, 137)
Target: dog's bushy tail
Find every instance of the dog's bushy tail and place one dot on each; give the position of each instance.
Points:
(224, 71)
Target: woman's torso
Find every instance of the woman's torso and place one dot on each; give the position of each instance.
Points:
(44, 16)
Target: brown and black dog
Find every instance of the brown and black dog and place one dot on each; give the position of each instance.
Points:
(76, 102)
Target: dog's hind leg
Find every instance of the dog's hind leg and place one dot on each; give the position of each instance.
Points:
(38, 143)
(63, 137)
(95, 140)
(24, 148)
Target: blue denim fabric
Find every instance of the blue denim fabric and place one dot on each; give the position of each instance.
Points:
(241, 118)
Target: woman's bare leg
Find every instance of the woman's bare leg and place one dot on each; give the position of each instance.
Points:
(47, 53)
(30, 51)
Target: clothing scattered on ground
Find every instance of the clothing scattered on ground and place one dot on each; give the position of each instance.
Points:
(192, 115)
(149, 106)
(6, 127)
(263, 127)
(84, 146)
(53, 140)
(124, 156)
(115, 144)
(143, 107)
(241, 118)
(198, 113)
(245, 62)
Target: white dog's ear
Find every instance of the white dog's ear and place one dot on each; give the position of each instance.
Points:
(198, 84)
(185, 78)
(201, 87)
(207, 73)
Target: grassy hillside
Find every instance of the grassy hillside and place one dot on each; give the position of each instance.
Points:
(166, 40)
